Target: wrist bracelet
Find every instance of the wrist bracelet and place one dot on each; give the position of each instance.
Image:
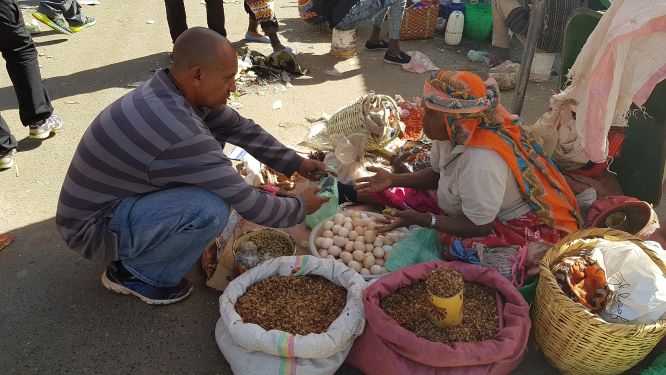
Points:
(433, 220)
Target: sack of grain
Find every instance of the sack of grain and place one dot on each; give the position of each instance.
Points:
(250, 349)
(387, 348)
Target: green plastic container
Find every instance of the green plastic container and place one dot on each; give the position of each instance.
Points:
(478, 21)
(528, 291)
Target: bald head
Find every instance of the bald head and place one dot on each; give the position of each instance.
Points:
(204, 67)
(202, 47)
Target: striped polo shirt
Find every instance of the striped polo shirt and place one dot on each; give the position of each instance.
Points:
(152, 139)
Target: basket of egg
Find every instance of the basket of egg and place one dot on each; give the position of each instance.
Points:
(352, 238)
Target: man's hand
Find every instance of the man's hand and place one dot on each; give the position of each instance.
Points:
(312, 200)
(312, 169)
(404, 219)
(381, 181)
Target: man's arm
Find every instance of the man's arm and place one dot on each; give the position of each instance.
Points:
(228, 126)
(199, 161)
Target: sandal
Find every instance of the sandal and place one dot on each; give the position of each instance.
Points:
(256, 37)
(381, 45)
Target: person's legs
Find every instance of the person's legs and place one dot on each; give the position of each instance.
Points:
(7, 140)
(397, 11)
(376, 10)
(70, 9)
(362, 11)
(7, 145)
(51, 12)
(215, 16)
(502, 10)
(176, 18)
(20, 54)
(162, 234)
(261, 12)
(252, 33)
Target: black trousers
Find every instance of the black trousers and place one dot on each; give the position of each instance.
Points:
(177, 19)
(175, 11)
(20, 54)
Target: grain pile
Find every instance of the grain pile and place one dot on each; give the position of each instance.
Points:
(263, 246)
(409, 307)
(299, 305)
(444, 282)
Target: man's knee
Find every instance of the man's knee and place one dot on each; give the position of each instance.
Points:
(207, 208)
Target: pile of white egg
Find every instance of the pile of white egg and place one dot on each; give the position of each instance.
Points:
(351, 237)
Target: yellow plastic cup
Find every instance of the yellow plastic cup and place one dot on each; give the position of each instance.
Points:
(446, 312)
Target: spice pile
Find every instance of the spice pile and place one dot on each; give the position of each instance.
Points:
(444, 282)
(263, 246)
(299, 305)
(409, 307)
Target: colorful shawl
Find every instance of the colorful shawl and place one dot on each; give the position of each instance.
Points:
(262, 10)
(476, 119)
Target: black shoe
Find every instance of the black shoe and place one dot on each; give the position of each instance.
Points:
(372, 46)
(117, 279)
(403, 58)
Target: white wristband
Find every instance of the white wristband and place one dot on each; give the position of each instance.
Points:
(433, 220)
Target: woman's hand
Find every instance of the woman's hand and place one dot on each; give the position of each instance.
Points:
(381, 181)
(399, 219)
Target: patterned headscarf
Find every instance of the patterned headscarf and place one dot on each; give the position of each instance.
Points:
(475, 118)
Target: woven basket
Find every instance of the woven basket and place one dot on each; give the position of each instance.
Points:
(419, 23)
(577, 341)
(349, 120)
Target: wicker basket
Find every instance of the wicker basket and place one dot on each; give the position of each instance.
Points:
(349, 120)
(419, 23)
(577, 341)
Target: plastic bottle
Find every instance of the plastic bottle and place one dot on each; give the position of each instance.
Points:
(480, 56)
(454, 28)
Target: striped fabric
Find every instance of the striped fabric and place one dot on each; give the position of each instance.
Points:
(557, 14)
(152, 139)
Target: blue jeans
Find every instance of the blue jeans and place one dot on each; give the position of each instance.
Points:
(375, 9)
(162, 234)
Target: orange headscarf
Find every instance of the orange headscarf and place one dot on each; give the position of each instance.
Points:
(476, 119)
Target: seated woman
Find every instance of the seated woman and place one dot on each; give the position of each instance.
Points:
(346, 15)
(493, 186)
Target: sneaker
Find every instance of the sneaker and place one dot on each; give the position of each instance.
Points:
(58, 23)
(117, 279)
(42, 130)
(88, 22)
(7, 159)
(403, 58)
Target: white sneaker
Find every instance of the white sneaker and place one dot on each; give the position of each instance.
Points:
(7, 159)
(43, 130)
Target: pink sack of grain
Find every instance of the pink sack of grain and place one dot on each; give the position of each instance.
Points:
(387, 348)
